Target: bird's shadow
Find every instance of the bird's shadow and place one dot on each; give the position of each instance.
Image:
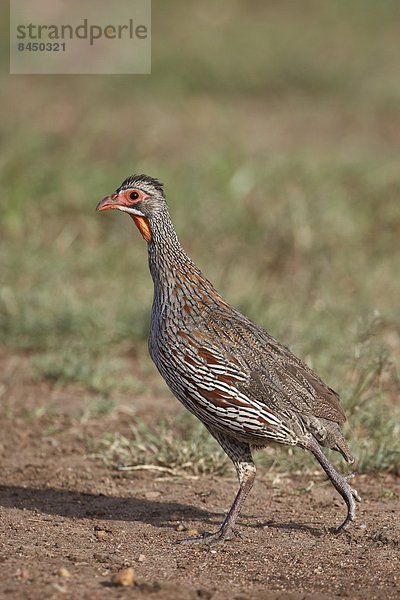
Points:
(293, 526)
(81, 505)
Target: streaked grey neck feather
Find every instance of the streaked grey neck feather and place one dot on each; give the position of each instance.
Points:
(174, 274)
(166, 255)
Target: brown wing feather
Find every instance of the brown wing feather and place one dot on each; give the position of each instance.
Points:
(275, 375)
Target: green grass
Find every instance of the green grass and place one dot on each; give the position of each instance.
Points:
(277, 133)
(178, 447)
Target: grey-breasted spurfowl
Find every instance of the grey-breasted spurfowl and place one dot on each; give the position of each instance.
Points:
(235, 377)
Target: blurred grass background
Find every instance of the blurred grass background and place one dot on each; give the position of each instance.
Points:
(275, 127)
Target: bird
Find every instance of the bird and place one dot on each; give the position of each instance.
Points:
(245, 387)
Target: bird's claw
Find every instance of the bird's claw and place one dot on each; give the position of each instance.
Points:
(211, 538)
(354, 492)
(349, 494)
(204, 538)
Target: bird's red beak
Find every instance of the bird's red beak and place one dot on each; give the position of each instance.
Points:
(115, 201)
(112, 201)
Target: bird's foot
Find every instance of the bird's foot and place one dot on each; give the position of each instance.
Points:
(222, 535)
(339, 481)
(354, 492)
(350, 495)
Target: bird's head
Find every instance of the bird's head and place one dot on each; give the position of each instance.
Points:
(142, 197)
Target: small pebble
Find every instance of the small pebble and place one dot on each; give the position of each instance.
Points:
(141, 558)
(22, 573)
(180, 527)
(101, 535)
(193, 533)
(63, 572)
(124, 578)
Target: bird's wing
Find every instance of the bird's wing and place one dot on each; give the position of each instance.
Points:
(265, 369)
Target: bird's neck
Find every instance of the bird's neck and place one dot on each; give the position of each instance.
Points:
(170, 267)
(167, 258)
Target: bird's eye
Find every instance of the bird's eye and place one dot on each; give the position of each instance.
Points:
(133, 195)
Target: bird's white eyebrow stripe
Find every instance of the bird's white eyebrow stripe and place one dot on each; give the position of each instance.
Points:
(132, 211)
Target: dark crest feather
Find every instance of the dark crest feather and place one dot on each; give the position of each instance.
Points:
(146, 179)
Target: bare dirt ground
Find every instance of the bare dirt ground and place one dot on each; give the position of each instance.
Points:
(62, 508)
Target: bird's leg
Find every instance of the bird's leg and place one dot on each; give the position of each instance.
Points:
(240, 454)
(339, 481)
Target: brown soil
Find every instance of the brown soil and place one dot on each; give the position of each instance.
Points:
(64, 509)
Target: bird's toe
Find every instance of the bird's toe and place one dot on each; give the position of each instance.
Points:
(210, 538)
